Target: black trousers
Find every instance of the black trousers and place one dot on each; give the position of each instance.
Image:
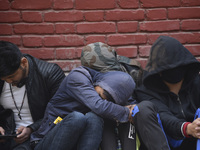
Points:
(187, 144)
(113, 132)
(147, 127)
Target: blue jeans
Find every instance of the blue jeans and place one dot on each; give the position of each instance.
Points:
(75, 131)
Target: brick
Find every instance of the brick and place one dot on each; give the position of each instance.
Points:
(65, 28)
(63, 4)
(94, 4)
(78, 52)
(34, 28)
(5, 29)
(94, 16)
(156, 14)
(124, 27)
(63, 16)
(158, 26)
(159, 3)
(31, 4)
(127, 51)
(69, 40)
(95, 38)
(194, 49)
(144, 51)
(152, 37)
(40, 53)
(186, 37)
(190, 25)
(9, 16)
(67, 66)
(124, 15)
(190, 2)
(126, 39)
(143, 62)
(32, 41)
(13, 39)
(128, 3)
(184, 13)
(32, 17)
(66, 53)
(5, 5)
(100, 27)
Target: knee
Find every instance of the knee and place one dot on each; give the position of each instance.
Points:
(94, 121)
(75, 118)
(147, 109)
(92, 117)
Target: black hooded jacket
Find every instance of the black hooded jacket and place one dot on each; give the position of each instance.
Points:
(43, 81)
(167, 53)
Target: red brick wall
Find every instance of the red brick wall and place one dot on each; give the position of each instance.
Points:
(56, 30)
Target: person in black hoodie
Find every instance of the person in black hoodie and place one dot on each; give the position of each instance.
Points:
(171, 81)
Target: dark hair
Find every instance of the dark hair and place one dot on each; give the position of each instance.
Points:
(10, 58)
(108, 96)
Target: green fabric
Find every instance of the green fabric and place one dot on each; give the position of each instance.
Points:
(100, 57)
(137, 142)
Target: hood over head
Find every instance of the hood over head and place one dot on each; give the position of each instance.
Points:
(100, 56)
(119, 85)
(171, 60)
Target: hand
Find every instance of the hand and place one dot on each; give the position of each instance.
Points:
(130, 107)
(193, 129)
(23, 134)
(2, 132)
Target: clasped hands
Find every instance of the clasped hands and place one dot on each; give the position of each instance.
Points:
(130, 107)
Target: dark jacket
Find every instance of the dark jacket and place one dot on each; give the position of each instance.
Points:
(167, 53)
(43, 80)
(81, 96)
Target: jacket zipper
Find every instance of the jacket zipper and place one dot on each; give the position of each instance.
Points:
(178, 99)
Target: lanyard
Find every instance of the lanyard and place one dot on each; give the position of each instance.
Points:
(18, 109)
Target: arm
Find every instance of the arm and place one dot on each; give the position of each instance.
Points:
(54, 78)
(172, 125)
(81, 88)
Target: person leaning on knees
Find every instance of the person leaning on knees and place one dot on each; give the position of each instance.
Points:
(172, 82)
(80, 97)
(26, 86)
(101, 57)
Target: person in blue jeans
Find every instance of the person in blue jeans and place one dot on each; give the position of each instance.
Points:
(172, 82)
(81, 101)
(76, 131)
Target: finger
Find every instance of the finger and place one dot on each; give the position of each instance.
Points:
(21, 134)
(2, 131)
(21, 138)
(197, 129)
(198, 123)
(20, 129)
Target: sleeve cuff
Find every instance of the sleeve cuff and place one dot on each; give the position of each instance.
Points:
(183, 129)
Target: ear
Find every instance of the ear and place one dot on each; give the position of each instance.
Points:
(24, 62)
